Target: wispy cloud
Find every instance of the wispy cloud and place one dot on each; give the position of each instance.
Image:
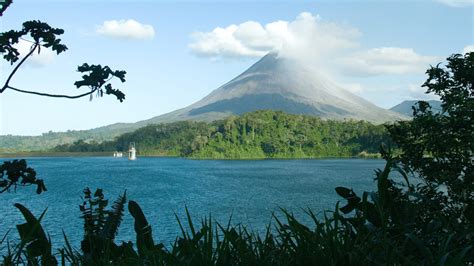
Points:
(310, 39)
(386, 60)
(416, 92)
(468, 48)
(126, 29)
(353, 87)
(457, 3)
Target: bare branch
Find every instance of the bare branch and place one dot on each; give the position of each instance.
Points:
(96, 75)
(18, 66)
(54, 95)
(6, 188)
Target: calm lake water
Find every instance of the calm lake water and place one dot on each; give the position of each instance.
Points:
(248, 190)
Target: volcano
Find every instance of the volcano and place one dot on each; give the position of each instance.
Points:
(275, 83)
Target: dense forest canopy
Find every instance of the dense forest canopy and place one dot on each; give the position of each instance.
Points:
(260, 134)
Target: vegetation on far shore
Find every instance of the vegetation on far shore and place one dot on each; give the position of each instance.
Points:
(49, 140)
(255, 135)
(52, 154)
(362, 155)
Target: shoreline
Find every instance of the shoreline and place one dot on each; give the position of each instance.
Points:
(110, 154)
(55, 154)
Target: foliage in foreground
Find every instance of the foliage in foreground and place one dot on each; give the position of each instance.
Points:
(427, 222)
(17, 173)
(386, 226)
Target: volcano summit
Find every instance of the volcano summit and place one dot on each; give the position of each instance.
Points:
(276, 83)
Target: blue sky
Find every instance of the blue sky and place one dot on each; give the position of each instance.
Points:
(177, 52)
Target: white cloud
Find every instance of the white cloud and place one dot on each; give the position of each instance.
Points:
(310, 39)
(306, 34)
(126, 29)
(45, 57)
(386, 60)
(353, 87)
(457, 3)
(467, 49)
(416, 92)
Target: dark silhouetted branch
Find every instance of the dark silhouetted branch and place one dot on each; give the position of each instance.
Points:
(54, 95)
(17, 67)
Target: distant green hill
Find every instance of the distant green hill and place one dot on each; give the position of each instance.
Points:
(260, 134)
(47, 141)
(405, 107)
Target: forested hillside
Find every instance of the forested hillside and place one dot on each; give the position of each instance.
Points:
(260, 134)
(11, 143)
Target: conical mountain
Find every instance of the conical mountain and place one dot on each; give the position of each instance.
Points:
(272, 83)
(280, 84)
(405, 107)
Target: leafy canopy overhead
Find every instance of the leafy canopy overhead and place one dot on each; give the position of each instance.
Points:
(98, 76)
(4, 5)
(17, 173)
(41, 35)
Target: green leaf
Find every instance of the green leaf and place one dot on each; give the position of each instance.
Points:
(142, 228)
(344, 192)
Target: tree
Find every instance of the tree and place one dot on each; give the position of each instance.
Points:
(439, 146)
(4, 5)
(43, 36)
(432, 219)
(17, 173)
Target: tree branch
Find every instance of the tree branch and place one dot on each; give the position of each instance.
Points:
(6, 188)
(54, 95)
(17, 67)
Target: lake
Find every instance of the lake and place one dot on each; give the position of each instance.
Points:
(249, 190)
